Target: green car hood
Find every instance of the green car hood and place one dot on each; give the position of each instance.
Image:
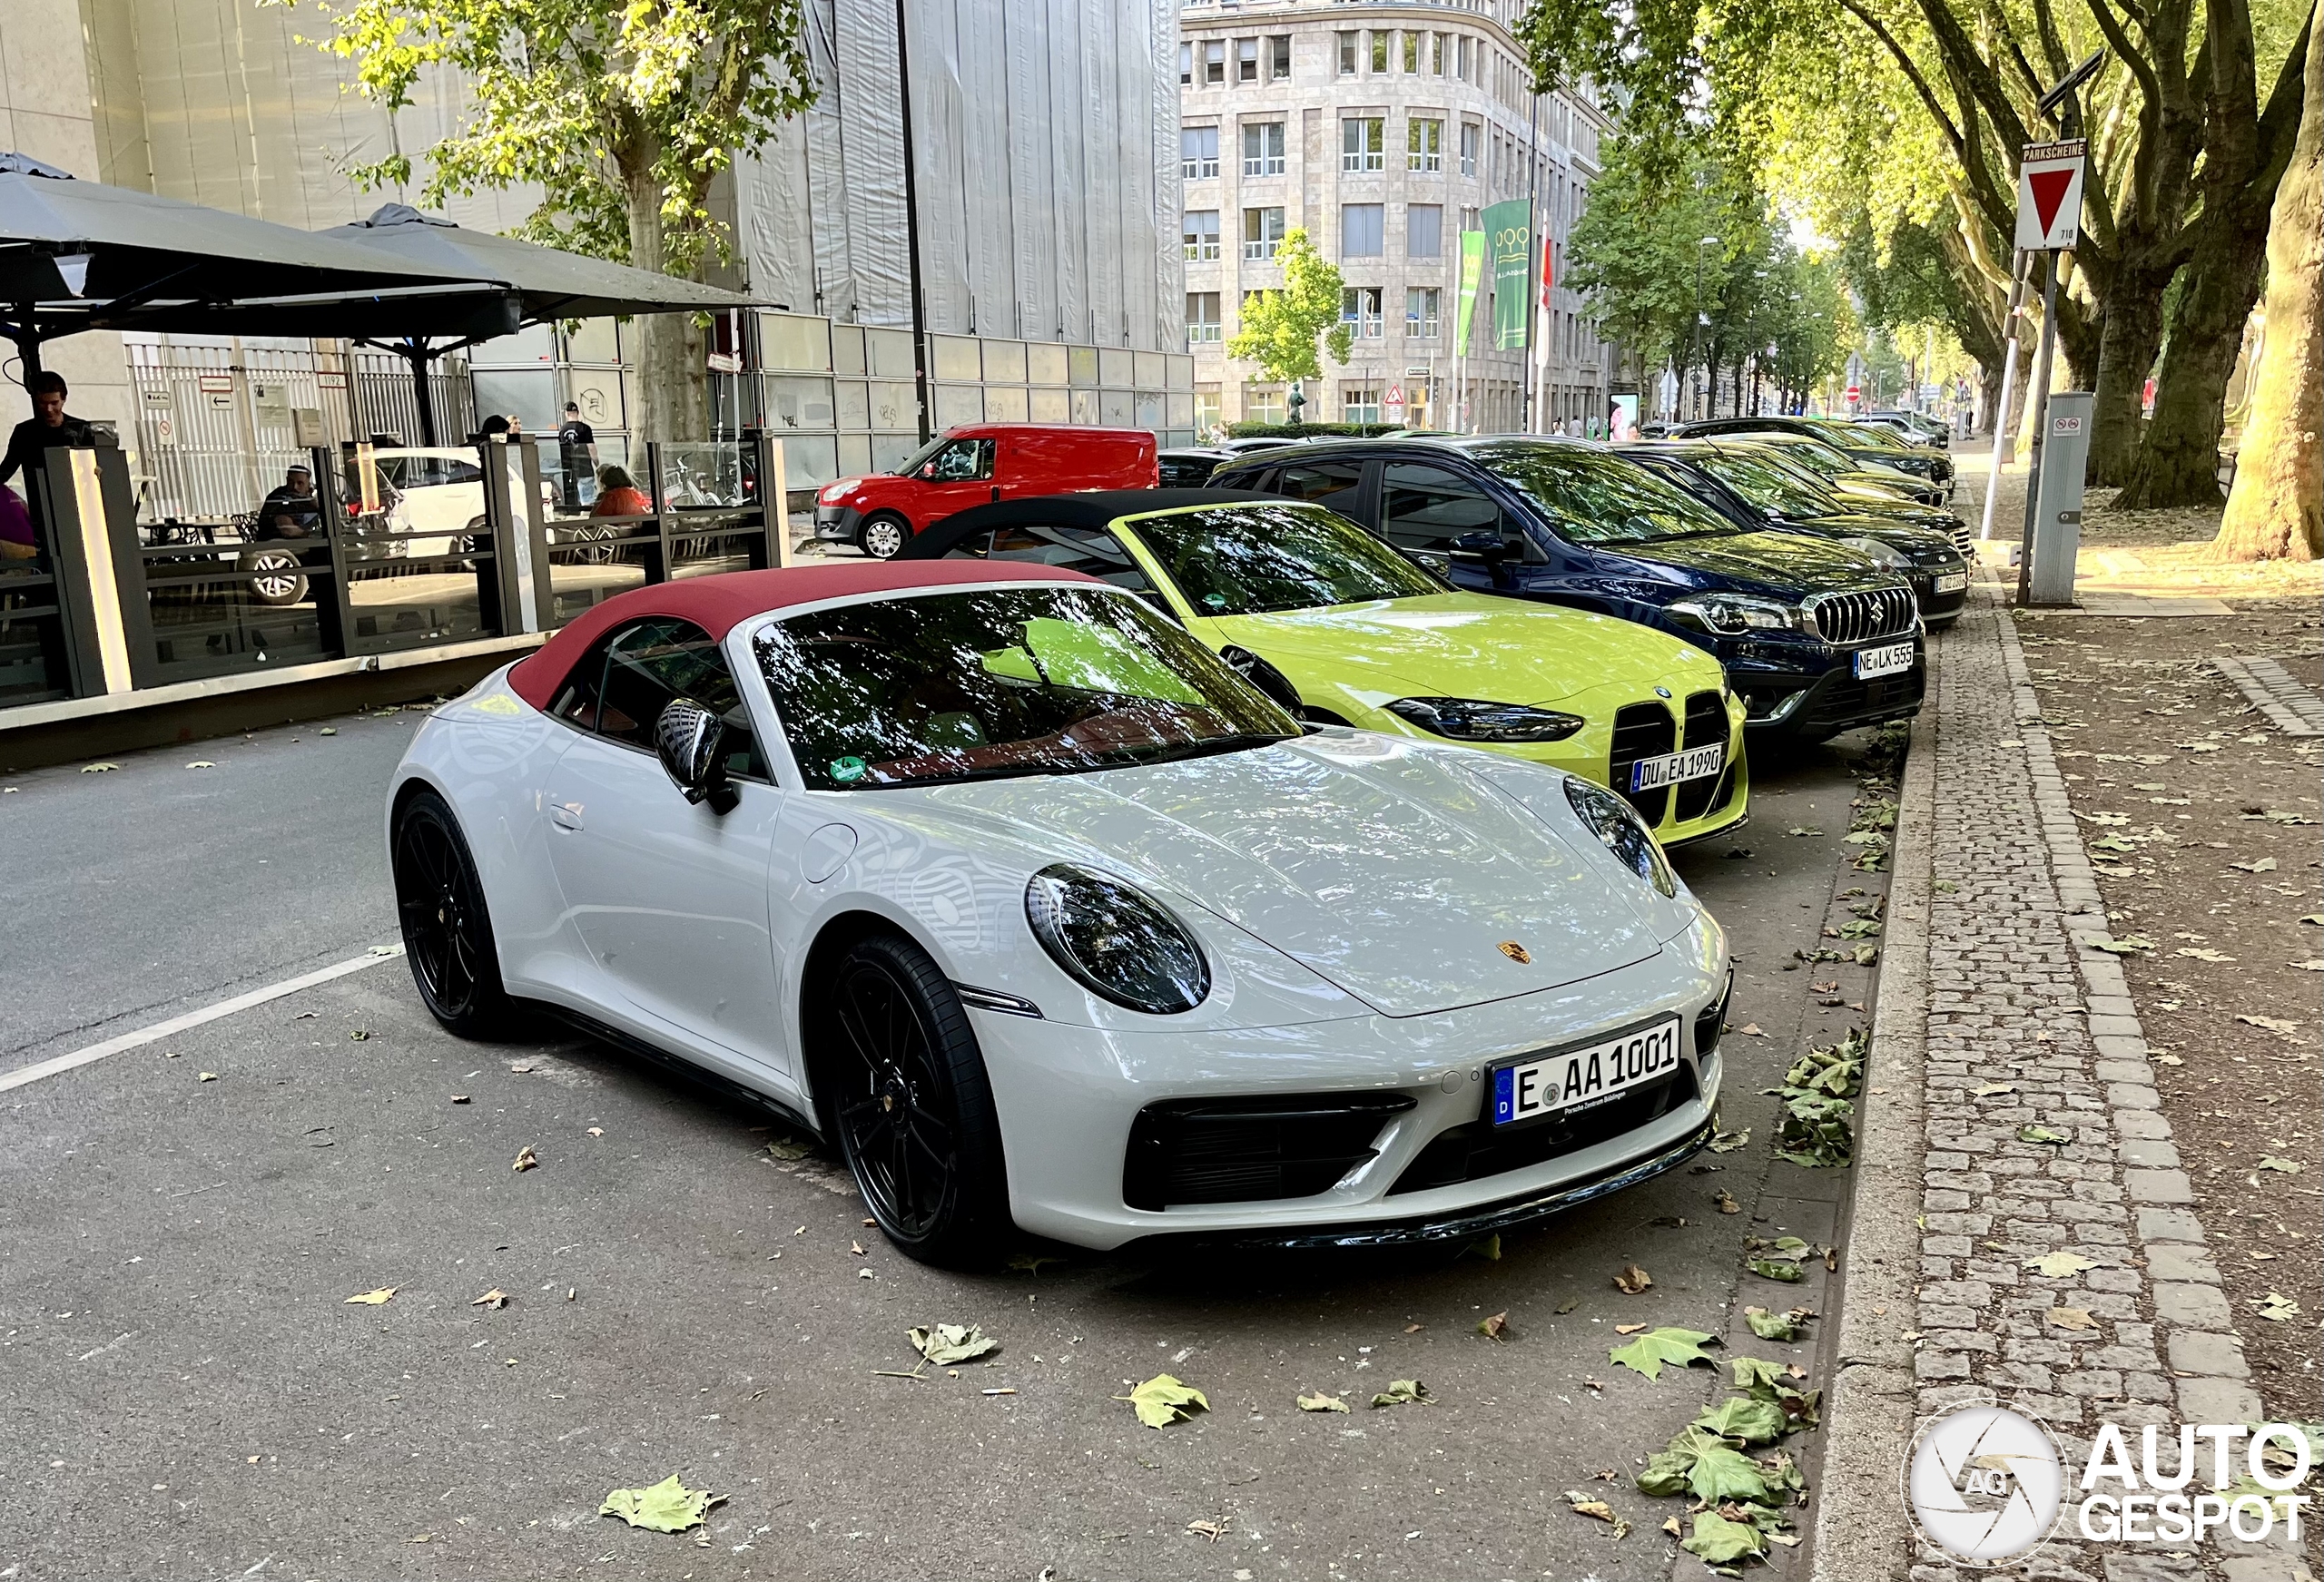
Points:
(1472, 645)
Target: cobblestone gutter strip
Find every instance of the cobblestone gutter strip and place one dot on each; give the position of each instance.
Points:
(2288, 702)
(1861, 1533)
(2021, 1024)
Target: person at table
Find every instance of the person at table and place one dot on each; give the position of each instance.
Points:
(50, 428)
(618, 495)
(294, 509)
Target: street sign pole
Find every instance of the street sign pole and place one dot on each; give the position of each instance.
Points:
(2002, 428)
(2048, 224)
(2039, 396)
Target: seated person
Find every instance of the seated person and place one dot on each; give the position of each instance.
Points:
(293, 510)
(17, 539)
(618, 495)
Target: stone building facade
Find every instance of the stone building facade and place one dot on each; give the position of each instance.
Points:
(1383, 127)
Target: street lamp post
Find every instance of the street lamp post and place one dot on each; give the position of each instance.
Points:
(1695, 347)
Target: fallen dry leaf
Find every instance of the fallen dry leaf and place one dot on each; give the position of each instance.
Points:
(1632, 1280)
(856, 1248)
(1582, 1504)
(1414, 1329)
(597, 1131)
(459, 1098)
(1213, 1530)
(525, 1160)
(1628, 1328)
(1726, 1203)
(2071, 1318)
(1319, 1401)
(1494, 1326)
(206, 1076)
(372, 1298)
(1750, 1030)
(496, 1299)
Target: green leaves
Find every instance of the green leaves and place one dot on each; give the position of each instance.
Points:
(1322, 1402)
(948, 1343)
(1738, 1417)
(2030, 1132)
(1774, 1326)
(1679, 1348)
(1162, 1400)
(1404, 1392)
(668, 1507)
(1721, 1542)
(1820, 1098)
(1280, 327)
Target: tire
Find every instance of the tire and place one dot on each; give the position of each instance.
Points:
(447, 929)
(904, 1091)
(883, 535)
(281, 582)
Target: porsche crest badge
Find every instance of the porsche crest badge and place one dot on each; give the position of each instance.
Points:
(1516, 952)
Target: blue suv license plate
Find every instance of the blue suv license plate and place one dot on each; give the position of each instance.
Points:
(1888, 659)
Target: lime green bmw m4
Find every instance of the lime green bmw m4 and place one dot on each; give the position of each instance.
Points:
(1342, 629)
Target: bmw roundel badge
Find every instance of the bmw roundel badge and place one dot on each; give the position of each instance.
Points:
(1661, 692)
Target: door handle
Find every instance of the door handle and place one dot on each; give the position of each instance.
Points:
(566, 815)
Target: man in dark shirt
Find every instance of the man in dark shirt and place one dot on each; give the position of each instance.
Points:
(48, 429)
(576, 452)
(293, 510)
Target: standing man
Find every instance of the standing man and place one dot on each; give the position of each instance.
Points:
(576, 452)
(50, 428)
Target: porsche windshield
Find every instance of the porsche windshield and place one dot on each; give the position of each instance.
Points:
(1249, 559)
(1000, 683)
(1592, 496)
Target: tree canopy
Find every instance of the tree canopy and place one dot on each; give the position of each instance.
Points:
(1280, 329)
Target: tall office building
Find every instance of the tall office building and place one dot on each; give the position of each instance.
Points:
(1383, 128)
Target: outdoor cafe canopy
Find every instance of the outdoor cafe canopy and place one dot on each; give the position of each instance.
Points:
(78, 255)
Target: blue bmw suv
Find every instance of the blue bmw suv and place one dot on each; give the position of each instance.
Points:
(1815, 636)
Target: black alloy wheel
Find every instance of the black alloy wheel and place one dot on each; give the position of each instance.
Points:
(447, 930)
(912, 1105)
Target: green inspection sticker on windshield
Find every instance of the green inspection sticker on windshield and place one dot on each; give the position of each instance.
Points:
(844, 770)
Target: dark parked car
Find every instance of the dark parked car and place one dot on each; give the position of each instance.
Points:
(1189, 467)
(1861, 445)
(1832, 494)
(1914, 428)
(1813, 637)
(1752, 492)
(1843, 472)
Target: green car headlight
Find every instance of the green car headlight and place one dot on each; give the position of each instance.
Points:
(1473, 720)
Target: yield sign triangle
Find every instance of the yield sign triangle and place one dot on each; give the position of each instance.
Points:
(2049, 188)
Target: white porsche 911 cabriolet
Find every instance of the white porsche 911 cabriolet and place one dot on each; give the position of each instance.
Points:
(994, 877)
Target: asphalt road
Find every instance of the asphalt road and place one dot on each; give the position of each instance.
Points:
(184, 1390)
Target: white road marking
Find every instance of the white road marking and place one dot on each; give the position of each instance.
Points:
(179, 1024)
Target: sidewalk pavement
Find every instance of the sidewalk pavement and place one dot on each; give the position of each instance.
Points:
(1997, 1016)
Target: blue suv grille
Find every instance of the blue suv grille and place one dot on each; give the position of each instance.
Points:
(1860, 617)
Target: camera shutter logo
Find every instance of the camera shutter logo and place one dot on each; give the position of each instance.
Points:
(1985, 1483)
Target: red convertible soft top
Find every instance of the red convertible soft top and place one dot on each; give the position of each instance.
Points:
(718, 603)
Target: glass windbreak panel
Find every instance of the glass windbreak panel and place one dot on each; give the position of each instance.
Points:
(891, 352)
(800, 403)
(1250, 559)
(1001, 684)
(847, 348)
(1592, 497)
(595, 340)
(32, 665)
(220, 607)
(1004, 361)
(521, 395)
(701, 475)
(710, 553)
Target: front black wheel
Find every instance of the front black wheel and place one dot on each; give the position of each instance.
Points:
(906, 1094)
(447, 931)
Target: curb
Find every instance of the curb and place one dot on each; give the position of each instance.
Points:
(1861, 1533)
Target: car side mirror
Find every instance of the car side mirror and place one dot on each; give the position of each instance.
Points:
(690, 740)
(928, 469)
(1485, 542)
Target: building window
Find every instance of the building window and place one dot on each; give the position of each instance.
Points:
(1380, 37)
(1424, 230)
(1201, 230)
(1247, 60)
(1206, 407)
(1423, 146)
(1469, 131)
(1471, 218)
(1197, 152)
(1202, 317)
(1359, 403)
(1360, 310)
(1279, 57)
(1262, 148)
(1214, 62)
(1364, 144)
(1186, 66)
(1262, 232)
(1261, 404)
(1363, 228)
(1347, 54)
(1421, 303)
(1439, 47)
(1411, 52)
(1461, 56)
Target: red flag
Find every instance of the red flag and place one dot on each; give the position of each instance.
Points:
(1548, 274)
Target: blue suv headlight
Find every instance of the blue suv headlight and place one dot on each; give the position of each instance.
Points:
(1732, 614)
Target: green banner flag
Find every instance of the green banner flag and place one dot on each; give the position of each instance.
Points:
(1508, 233)
(1472, 273)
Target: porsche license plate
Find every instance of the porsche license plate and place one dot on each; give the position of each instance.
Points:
(1952, 582)
(1540, 1085)
(1694, 763)
(1889, 659)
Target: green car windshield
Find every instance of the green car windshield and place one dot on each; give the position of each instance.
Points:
(1809, 452)
(998, 684)
(1764, 482)
(1595, 497)
(1253, 559)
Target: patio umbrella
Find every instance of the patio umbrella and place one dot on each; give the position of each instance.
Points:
(529, 284)
(78, 255)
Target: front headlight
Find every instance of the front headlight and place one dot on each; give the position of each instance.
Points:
(1732, 614)
(1471, 719)
(1883, 553)
(1115, 939)
(833, 493)
(1617, 823)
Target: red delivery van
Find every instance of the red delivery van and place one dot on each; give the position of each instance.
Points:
(974, 464)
